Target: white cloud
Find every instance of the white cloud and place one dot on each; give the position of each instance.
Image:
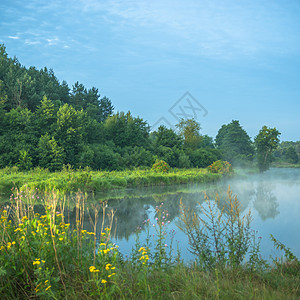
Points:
(208, 27)
(53, 41)
(29, 42)
(13, 37)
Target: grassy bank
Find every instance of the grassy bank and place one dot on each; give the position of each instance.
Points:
(282, 164)
(69, 180)
(42, 256)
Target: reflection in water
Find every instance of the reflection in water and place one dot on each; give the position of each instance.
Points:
(133, 206)
(265, 201)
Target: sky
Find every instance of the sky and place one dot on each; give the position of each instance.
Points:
(213, 60)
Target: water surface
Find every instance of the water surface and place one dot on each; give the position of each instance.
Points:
(273, 197)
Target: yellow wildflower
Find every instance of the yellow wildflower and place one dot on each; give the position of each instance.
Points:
(103, 281)
(47, 288)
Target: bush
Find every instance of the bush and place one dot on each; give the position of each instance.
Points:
(160, 166)
(219, 166)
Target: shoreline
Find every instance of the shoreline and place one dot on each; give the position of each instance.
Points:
(98, 181)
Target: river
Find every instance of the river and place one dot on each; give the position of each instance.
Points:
(273, 197)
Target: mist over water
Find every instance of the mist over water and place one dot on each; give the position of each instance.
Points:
(273, 197)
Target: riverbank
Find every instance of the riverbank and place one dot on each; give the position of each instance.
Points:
(279, 164)
(69, 180)
(54, 259)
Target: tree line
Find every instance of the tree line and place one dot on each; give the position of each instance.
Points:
(45, 123)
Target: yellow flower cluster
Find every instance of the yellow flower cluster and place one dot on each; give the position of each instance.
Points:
(108, 267)
(93, 269)
(4, 216)
(38, 261)
(144, 258)
(8, 246)
(43, 285)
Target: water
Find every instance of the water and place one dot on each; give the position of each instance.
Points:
(273, 197)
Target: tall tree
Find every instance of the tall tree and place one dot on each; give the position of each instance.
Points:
(189, 131)
(266, 141)
(234, 143)
(69, 132)
(50, 155)
(126, 130)
(166, 137)
(291, 155)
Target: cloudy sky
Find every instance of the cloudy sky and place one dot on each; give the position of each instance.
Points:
(237, 59)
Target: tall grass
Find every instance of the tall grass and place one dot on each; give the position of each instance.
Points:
(42, 256)
(69, 180)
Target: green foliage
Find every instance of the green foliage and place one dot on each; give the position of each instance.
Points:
(42, 256)
(234, 143)
(219, 166)
(184, 161)
(291, 155)
(221, 237)
(160, 166)
(126, 130)
(51, 156)
(290, 257)
(189, 131)
(201, 158)
(25, 161)
(69, 180)
(266, 141)
(48, 255)
(166, 137)
(136, 157)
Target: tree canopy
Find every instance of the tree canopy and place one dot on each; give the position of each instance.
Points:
(45, 123)
(234, 143)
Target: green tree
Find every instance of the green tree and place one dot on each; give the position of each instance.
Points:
(25, 161)
(18, 135)
(234, 143)
(201, 158)
(266, 141)
(126, 130)
(51, 156)
(45, 116)
(106, 109)
(291, 155)
(189, 131)
(166, 137)
(69, 132)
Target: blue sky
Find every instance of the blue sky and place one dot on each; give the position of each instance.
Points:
(238, 59)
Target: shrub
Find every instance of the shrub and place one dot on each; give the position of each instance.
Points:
(160, 166)
(219, 166)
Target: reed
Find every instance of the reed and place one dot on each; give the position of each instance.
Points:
(42, 256)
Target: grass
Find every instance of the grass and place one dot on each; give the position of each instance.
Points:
(283, 164)
(42, 256)
(69, 180)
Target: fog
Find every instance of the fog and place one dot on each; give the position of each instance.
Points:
(273, 197)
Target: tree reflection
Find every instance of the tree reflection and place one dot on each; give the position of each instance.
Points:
(265, 202)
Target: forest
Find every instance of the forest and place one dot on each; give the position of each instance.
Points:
(45, 123)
